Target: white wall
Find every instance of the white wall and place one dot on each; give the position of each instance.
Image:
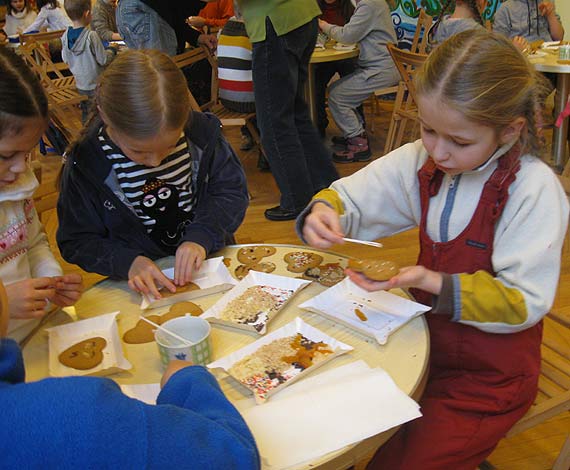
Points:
(563, 9)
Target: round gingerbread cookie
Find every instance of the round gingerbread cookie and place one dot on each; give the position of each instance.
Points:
(243, 269)
(375, 269)
(84, 355)
(253, 254)
(300, 261)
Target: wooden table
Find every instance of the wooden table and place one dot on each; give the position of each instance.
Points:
(329, 54)
(404, 357)
(549, 63)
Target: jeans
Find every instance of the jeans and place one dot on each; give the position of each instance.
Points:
(143, 28)
(300, 163)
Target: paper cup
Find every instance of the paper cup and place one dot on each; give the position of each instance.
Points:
(194, 329)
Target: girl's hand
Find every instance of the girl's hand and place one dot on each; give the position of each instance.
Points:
(196, 21)
(68, 289)
(411, 276)
(521, 43)
(29, 298)
(171, 369)
(322, 227)
(322, 24)
(546, 8)
(189, 258)
(142, 276)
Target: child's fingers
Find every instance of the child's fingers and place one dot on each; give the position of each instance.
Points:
(163, 281)
(367, 284)
(314, 239)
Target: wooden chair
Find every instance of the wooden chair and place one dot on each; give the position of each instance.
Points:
(226, 116)
(554, 383)
(405, 108)
(419, 45)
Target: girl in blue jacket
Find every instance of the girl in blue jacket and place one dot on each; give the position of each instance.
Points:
(148, 178)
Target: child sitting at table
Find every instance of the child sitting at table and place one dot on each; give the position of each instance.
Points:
(529, 19)
(51, 17)
(19, 15)
(492, 219)
(32, 275)
(467, 15)
(148, 178)
(371, 27)
(83, 51)
(86, 422)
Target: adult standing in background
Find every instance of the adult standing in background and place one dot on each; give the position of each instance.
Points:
(103, 20)
(160, 24)
(283, 34)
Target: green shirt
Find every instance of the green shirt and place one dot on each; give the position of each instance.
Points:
(285, 15)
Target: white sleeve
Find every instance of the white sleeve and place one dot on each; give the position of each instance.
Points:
(39, 22)
(41, 259)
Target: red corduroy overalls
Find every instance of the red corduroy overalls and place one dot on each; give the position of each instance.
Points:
(480, 384)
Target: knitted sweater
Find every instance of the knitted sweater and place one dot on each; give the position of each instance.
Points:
(383, 199)
(18, 22)
(86, 422)
(24, 249)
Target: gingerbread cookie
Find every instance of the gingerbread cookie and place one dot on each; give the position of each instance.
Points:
(243, 269)
(300, 261)
(85, 354)
(179, 290)
(375, 269)
(227, 262)
(254, 254)
(327, 274)
(143, 332)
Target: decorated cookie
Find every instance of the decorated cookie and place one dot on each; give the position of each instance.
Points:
(254, 254)
(227, 262)
(243, 269)
(143, 332)
(326, 274)
(375, 269)
(179, 290)
(85, 354)
(300, 261)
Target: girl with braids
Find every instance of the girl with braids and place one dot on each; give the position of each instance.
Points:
(492, 219)
(148, 179)
(465, 16)
(32, 276)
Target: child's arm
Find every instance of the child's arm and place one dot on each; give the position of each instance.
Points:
(39, 22)
(41, 260)
(556, 29)
(360, 25)
(102, 56)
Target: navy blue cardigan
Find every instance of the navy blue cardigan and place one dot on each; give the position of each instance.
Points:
(101, 234)
(86, 422)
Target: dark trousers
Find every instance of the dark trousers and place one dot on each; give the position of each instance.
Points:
(300, 163)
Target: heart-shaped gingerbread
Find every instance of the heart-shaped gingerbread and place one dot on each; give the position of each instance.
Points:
(84, 355)
(253, 254)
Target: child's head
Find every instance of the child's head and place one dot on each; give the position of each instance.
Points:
(17, 6)
(482, 86)
(23, 114)
(143, 99)
(78, 10)
(50, 3)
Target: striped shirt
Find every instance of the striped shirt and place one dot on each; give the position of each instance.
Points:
(149, 189)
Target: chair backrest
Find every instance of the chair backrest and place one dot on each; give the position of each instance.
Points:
(191, 57)
(41, 37)
(37, 55)
(407, 63)
(420, 39)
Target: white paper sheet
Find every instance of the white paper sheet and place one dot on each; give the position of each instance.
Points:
(143, 392)
(326, 413)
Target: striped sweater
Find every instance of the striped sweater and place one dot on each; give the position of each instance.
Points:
(234, 68)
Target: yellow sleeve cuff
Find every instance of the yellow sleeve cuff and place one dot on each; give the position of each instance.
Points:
(332, 197)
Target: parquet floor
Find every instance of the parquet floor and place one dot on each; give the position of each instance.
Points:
(535, 449)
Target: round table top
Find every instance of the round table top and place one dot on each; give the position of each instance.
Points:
(330, 54)
(404, 357)
(548, 62)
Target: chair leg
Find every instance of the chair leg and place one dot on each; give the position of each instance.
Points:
(563, 460)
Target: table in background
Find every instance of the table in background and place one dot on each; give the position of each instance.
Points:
(549, 63)
(329, 54)
(404, 357)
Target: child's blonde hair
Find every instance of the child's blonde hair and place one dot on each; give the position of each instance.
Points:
(21, 94)
(142, 92)
(484, 77)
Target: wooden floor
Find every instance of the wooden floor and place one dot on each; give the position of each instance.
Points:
(535, 449)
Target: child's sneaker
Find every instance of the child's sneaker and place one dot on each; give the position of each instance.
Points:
(357, 150)
(339, 142)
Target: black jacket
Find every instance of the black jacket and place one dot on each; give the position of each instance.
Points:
(102, 234)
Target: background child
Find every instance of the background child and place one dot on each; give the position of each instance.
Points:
(467, 15)
(192, 425)
(51, 17)
(148, 178)
(335, 12)
(478, 195)
(27, 267)
(19, 16)
(83, 50)
(213, 15)
(529, 19)
(104, 22)
(371, 27)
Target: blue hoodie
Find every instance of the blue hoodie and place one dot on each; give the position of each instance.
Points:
(86, 422)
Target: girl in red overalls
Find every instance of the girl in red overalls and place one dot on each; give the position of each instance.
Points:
(492, 219)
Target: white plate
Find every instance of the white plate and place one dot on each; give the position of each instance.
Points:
(384, 312)
(255, 278)
(344, 47)
(550, 45)
(290, 329)
(213, 277)
(65, 336)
